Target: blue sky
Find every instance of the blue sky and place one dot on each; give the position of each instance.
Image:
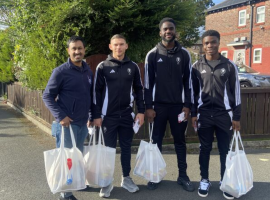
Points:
(218, 1)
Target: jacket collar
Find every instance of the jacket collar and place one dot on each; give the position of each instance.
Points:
(222, 59)
(72, 66)
(112, 59)
(176, 48)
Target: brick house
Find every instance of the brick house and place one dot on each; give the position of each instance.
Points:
(244, 26)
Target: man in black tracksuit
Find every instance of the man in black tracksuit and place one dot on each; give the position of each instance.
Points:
(217, 105)
(117, 84)
(168, 93)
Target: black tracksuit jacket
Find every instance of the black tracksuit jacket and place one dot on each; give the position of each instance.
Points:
(117, 85)
(167, 76)
(216, 89)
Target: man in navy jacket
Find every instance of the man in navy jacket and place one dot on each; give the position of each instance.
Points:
(68, 96)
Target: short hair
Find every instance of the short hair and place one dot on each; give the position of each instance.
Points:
(118, 36)
(211, 33)
(75, 38)
(166, 19)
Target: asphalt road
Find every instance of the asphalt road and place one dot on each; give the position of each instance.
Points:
(22, 174)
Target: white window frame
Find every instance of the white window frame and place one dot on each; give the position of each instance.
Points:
(224, 52)
(261, 13)
(260, 56)
(239, 19)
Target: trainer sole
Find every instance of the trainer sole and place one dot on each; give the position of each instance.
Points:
(202, 195)
(104, 195)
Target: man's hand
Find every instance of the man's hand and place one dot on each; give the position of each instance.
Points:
(89, 123)
(66, 121)
(236, 125)
(186, 111)
(98, 122)
(151, 114)
(140, 117)
(194, 122)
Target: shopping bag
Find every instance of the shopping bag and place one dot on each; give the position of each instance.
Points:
(238, 176)
(65, 167)
(149, 163)
(99, 161)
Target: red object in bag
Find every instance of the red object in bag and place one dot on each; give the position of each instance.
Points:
(69, 163)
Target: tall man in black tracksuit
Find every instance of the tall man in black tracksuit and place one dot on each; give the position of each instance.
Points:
(217, 105)
(117, 84)
(168, 93)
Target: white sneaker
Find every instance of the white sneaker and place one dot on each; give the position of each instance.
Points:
(105, 192)
(129, 185)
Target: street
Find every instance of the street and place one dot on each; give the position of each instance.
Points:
(22, 173)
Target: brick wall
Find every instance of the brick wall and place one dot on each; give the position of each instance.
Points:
(226, 22)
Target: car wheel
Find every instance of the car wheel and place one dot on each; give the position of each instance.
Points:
(245, 84)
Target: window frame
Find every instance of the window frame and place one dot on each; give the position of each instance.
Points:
(254, 55)
(260, 13)
(226, 52)
(245, 17)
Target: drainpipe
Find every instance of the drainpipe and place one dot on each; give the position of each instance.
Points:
(251, 33)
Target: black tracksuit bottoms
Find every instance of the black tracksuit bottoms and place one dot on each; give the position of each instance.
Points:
(121, 125)
(164, 113)
(219, 123)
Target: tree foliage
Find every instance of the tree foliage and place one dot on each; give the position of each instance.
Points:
(6, 63)
(40, 29)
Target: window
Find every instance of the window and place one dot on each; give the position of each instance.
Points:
(242, 18)
(224, 53)
(260, 14)
(257, 56)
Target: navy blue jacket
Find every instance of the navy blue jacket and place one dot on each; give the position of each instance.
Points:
(72, 86)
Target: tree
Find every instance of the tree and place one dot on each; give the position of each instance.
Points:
(40, 29)
(6, 63)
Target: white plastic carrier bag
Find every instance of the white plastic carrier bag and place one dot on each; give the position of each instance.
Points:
(65, 167)
(149, 163)
(99, 161)
(238, 176)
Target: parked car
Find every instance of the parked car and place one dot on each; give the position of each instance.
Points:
(249, 77)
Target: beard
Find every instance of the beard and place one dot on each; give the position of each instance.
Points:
(170, 40)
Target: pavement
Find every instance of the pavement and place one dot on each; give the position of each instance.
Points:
(22, 172)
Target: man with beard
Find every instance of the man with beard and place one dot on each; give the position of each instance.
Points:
(168, 94)
(71, 84)
(217, 105)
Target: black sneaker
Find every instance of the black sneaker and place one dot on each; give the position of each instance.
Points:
(187, 185)
(204, 188)
(227, 196)
(68, 198)
(152, 186)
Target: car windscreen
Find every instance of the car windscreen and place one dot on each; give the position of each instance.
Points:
(245, 69)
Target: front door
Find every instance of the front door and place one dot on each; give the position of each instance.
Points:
(239, 57)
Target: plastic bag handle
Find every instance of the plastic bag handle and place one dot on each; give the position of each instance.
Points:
(92, 137)
(236, 139)
(101, 137)
(63, 137)
(240, 139)
(151, 131)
